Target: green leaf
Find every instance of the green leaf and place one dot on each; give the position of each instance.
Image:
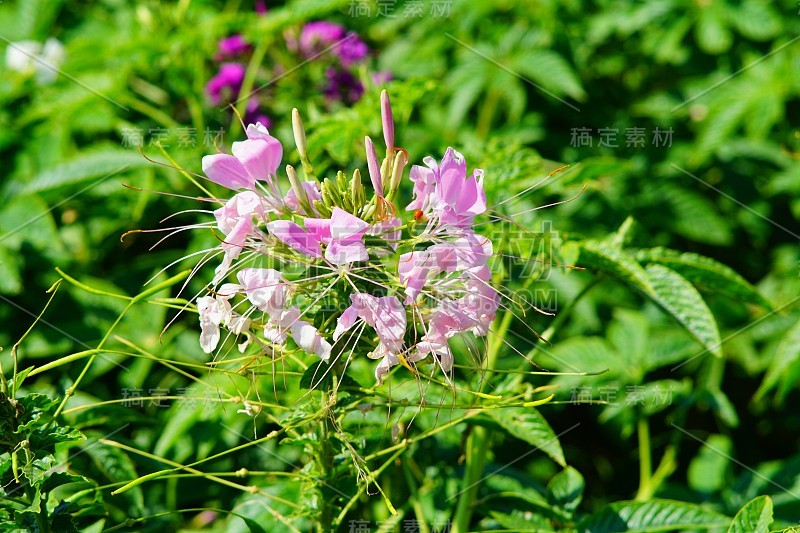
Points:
(705, 273)
(784, 370)
(755, 517)
(613, 260)
(681, 300)
(712, 34)
(708, 469)
(518, 520)
(529, 425)
(37, 470)
(43, 438)
(117, 466)
(101, 165)
(652, 515)
(566, 489)
(34, 406)
(550, 71)
(10, 267)
(695, 216)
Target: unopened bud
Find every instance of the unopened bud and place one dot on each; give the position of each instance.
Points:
(374, 169)
(299, 190)
(388, 121)
(400, 162)
(299, 134)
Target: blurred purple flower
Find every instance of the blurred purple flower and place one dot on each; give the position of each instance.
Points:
(343, 85)
(352, 50)
(228, 79)
(253, 115)
(381, 78)
(261, 7)
(318, 36)
(232, 46)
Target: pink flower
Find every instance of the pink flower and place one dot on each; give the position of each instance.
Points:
(468, 254)
(347, 234)
(265, 288)
(342, 234)
(213, 312)
(291, 234)
(232, 46)
(257, 158)
(387, 316)
(373, 167)
(227, 80)
(305, 335)
(241, 205)
(445, 191)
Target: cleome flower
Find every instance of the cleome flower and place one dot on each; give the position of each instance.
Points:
(319, 267)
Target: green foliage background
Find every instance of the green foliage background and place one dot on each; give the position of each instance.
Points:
(686, 290)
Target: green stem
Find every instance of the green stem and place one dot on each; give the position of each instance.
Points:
(324, 459)
(646, 488)
(414, 492)
(478, 442)
(486, 113)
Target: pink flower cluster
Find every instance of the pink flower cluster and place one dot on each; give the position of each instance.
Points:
(402, 288)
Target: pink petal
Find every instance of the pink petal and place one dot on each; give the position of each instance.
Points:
(346, 227)
(423, 187)
(260, 157)
(340, 253)
(265, 288)
(319, 229)
(309, 340)
(293, 235)
(452, 173)
(346, 321)
(235, 240)
(227, 171)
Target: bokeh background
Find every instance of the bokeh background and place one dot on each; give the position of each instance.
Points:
(678, 120)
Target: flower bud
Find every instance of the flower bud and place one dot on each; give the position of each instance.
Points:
(388, 121)
(400, 162)
(299, 190)
(374, 169)
(299, 134)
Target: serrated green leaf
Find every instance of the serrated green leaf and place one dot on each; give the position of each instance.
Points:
(529, 425)
(566, 489)
(755, 517)
(652, 515)
(784, 370)
(616, 262)
(551, 71)
(705, 273)
(117, 466)
(681, 300)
